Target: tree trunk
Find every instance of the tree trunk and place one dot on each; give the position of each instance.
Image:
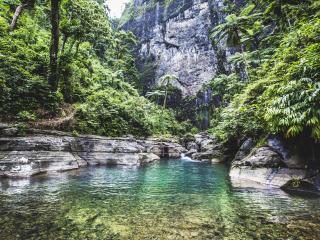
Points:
(165, 99)
(16, 15)
(245, 63)
(54, 48)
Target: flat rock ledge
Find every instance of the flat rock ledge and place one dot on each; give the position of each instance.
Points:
(276, 177)
(266, 167)
(32, 155)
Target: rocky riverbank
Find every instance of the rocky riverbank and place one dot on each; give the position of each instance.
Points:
(273, 164)
(38, 151)
(204, 147)
(277, 165)
(31, 152)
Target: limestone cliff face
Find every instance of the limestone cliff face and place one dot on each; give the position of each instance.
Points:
(174, 39)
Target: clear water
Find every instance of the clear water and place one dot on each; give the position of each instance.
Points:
(170, 199)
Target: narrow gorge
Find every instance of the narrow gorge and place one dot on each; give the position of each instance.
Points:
(160, 119)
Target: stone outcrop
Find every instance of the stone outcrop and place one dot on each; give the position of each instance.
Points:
(34, 154)
(174, 39)
(204, 147)
(265, 165)
(244, 149)
(263, 157)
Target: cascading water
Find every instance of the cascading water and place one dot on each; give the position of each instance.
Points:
(186, 158)
(204, 102)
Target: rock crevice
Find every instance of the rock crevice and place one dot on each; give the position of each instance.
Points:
(176, 37)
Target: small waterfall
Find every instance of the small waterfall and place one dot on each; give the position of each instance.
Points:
(187, 159)
(203, 103)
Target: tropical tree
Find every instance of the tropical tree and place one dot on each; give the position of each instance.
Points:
(238, 30)
(235, 27)
(54, 48)
(279, 8)
(166, 81)
(23, 4)
(247, 59)
(157, 94)
(85, 21)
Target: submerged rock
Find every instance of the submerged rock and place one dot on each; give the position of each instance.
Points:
(303, 187)
(30, 155)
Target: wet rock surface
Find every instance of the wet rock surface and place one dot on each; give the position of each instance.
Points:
(34, 154)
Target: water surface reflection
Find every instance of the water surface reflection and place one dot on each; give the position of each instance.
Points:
(170, 199)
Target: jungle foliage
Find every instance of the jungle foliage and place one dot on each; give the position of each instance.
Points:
(65, 52)
(274, 84)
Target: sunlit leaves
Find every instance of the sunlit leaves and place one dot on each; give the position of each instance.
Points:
(283, 96)
(296, 108)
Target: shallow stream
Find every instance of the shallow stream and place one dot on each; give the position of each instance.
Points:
(170, 199)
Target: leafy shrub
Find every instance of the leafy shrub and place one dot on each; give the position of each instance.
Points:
(113, 113)
(26, 116)
(23, 63)
(284, 96)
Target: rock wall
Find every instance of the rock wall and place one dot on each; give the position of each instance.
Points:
(34, 154)
(174, 39)
(277, 163)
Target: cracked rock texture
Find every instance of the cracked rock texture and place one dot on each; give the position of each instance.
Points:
(268, 166)
(174, 39)
(204, 147)
(31, 155)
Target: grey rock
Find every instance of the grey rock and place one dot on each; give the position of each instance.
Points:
(261, 157)
(191, 152)
(36, 143)
(211, 146)
(208, 155)
(265, 166)
(276, 177)
(291, 156)
(205, 140)
(147, 158)
(175, 40)
(31, 155)
(4, 126)
(205, 147)
(245, 149)
(192, 145)
(12, 131)
(28, 163)
(198, 139)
